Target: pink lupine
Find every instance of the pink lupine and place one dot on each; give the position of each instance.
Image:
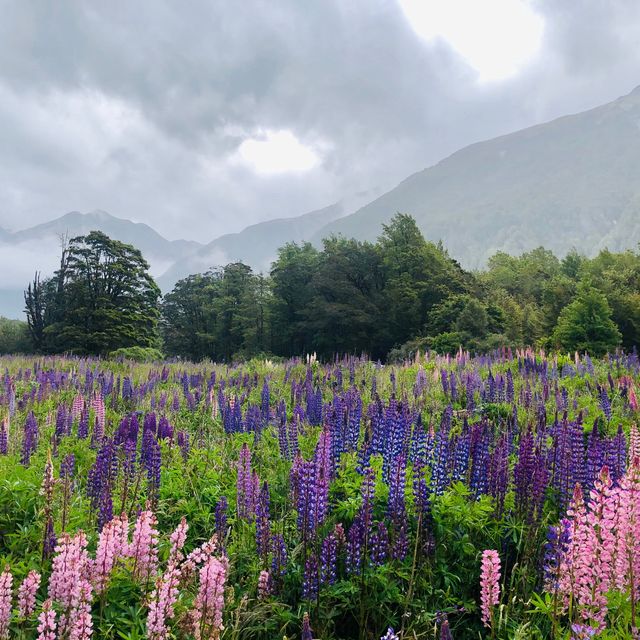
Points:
(80, 623)
(209, 603)
(47, 620)
(489, 585)
(71, 570)
(27, 594)
(264, 585)
(112, 545)
(97, 404)
(77, 407)
(627, 555)
(586, 569)
(162, 601)
(634, 443)
(144, 546)
(633, 400)
(572, 566)
(6, 582)
(178, 538)
(197, 557)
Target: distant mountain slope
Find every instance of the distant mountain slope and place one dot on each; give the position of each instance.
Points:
(572, 182)
(140, 235)
(258, 244)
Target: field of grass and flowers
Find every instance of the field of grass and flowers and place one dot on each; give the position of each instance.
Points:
(466, 497)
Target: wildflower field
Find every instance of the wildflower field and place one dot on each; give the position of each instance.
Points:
(466, 497)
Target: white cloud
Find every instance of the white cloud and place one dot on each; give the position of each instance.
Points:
(276, 152)
(495, 37)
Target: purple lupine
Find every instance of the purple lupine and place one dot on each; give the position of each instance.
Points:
(379, 545)
(245, 485)
(61, 422)
(329, 559)
(101, 474)
(523, 471)
(440, 471)
(499, 473)
(4, 437)
(49, 539)
(105, 509)
(264, 405)
(165, 430)
(310, 580)
(278, 559)
(263, 531)
(183, 443)
(221, 519)
(605, 403)
(558, 538)
(67, 467)
(355, 543)
(30, 439)
(83, 424)
(151, 460)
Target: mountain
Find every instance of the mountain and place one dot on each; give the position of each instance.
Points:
(572, 182)
(38, 248)
(258, 244)
(140, 235)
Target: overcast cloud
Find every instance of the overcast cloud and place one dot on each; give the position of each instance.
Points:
(141, 108)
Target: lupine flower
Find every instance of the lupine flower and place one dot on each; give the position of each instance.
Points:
(112, 545)
(310, 580)
(68, 583)
(329, 559)
(489, 585)
(143, 548)
(307, 634)
(47, 622)
(445, 631)
(209, 603)
(27, 594)
(379, 545)
(4, 436)
(162, 602)
(263, 533)
(6, 582)
(264, 585)
(391, 634)
(30, 439)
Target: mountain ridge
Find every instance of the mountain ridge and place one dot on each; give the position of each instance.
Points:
(549, 173)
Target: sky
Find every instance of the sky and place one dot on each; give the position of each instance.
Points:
(200, 118)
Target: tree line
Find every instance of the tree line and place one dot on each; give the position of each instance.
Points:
(387, 299)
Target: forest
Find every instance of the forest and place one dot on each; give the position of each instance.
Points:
(387, 299)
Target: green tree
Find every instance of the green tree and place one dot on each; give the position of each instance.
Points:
(101, 298)
(586, 324)
(291, 277)
(14, 336)
(345, 314)
(418, 275)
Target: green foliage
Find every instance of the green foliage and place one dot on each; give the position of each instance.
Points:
(586, 324)
(14, 336)
(137, 354)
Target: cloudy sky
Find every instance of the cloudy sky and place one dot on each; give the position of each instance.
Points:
(202, 117)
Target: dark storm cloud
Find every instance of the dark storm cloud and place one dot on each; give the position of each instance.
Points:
(138, 108)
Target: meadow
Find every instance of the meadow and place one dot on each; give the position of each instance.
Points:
(455, 497)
